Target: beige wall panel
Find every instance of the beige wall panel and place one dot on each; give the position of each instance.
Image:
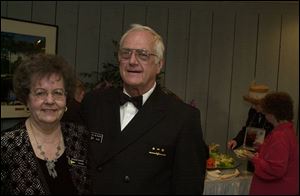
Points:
(199, 60)
(67, 21)
(44, 11)
(133, 14)
(4, 8)
(288, 79)
(243, 69)
(87, 51)
(19, 10)
(111, 29)
(176, 62)
(268, 49)
(220, 77)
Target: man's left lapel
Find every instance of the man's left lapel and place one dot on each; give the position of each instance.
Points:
(150, 114)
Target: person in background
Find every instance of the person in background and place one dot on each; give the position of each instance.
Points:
(277, 160)
(152, 145)
(72, 114)
(44, 155)
(255, 117)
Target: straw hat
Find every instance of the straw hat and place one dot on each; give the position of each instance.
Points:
(256, 93)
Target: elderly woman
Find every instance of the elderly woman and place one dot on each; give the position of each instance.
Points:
(44, 156)
(277, 162)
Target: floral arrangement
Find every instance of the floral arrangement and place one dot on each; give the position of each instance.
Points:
(217, 159)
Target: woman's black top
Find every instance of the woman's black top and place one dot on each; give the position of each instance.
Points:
(62, 184)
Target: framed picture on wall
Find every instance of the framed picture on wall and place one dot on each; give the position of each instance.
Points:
(20, 38)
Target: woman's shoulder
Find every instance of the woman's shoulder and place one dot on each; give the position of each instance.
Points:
(19, 125)
(13, 140)
(284, 129)
(14, 131)
(74, 130)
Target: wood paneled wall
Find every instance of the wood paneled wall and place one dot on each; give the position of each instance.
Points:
(214, 50)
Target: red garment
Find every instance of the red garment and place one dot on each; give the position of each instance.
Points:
(277, 163)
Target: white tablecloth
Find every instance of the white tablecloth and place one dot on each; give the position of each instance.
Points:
(235, 186)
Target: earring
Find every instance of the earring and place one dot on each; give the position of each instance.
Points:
(66, 108)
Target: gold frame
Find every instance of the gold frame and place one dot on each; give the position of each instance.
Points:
(27, 28)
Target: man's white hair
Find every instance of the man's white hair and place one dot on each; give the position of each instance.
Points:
(159, 47)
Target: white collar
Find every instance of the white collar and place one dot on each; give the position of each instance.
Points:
(145, 95)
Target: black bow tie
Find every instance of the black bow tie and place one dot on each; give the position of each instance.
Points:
(136, 101)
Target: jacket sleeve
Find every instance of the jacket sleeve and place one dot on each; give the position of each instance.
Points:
(241, 135)
(190, 158)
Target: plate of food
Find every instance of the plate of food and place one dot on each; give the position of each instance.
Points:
(219, 160)
(243, 153)
(240, 152)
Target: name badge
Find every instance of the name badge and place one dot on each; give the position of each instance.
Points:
(76, 162)
(98, 137)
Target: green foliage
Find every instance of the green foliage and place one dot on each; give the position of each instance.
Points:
(111, 75)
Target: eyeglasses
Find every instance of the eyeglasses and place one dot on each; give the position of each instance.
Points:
(140, 54)
(42, 94)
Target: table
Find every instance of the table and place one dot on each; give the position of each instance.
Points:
(235, 186)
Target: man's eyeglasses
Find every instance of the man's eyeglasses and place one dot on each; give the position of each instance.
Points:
(140, 54)
(57, 94)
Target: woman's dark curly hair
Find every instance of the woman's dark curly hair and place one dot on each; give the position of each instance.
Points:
(38, 66)
(280, 104)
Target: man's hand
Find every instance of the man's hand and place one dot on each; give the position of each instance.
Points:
(231, 144)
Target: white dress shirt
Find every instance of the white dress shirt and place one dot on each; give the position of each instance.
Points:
(128, 110)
